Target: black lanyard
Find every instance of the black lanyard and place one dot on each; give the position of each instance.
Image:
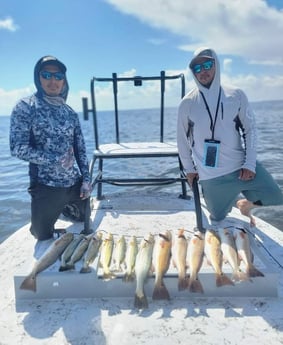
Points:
(212, 124)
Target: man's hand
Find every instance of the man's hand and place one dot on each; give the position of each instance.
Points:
(85, 191)
(191, 177)
(246, 175)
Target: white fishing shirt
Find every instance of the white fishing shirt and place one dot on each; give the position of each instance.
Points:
(234, 128)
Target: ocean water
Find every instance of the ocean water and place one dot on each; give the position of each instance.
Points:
(15, 200)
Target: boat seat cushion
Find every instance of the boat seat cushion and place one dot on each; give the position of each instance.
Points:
(137, 149)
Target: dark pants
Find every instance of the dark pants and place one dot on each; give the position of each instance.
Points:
(47, 204)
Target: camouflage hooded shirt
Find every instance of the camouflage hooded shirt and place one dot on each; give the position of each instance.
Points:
(42, 133)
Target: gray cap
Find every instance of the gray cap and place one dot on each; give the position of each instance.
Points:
(206, 53)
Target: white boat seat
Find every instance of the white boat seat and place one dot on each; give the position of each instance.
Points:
(141, 149)
(145, 147)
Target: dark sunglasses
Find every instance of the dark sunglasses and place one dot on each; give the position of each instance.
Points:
(207, 65)
(48, 75)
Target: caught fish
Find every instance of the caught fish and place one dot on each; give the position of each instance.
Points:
(161, 264)
(47, 259)
(244, 252)
(66, 256)
(106, 255)
(130, 260)
(196, 254)
(142, 268)
(78, 252)
(229, 250)
(91, 252)
(180, 257)
(213, 252)
(119, 253)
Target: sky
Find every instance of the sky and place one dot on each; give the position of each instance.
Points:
(140, 37)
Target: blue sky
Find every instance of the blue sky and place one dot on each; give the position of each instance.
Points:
(140, 37)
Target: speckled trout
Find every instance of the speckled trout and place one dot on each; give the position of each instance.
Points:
(106, 256)
(91, 252)
(130, 260)
(142, 268)
(50, 256)
(78, 252)
(66, 256)
(119, 253)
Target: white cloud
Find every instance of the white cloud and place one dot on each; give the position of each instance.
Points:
(8, 99)
(8, 24)
(227, 63)
(257, 88)
(251, 29)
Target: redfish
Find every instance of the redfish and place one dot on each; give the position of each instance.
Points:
(196, 254)
(180, 257)
(229, 250)
(50, 256)
(244, 252)
(161, 265)
(213, 252)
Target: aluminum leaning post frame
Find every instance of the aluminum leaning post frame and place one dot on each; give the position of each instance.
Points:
(145, 149)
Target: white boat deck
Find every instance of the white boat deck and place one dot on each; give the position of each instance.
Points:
(82, 309)
(147, 214)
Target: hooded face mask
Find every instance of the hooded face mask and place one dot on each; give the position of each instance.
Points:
(207, 54)
(49, 60)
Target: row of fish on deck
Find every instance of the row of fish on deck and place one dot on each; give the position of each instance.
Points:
(135, 260)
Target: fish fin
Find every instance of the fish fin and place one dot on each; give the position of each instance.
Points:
(160, 292)
(195, 286)
(141, 302)
(222, 279)
(254, 272)
(183, 283)
(85, 270)
(29, 283)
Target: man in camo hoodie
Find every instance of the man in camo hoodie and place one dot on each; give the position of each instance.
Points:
(46, 132)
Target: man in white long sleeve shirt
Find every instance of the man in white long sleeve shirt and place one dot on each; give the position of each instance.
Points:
(216, 136)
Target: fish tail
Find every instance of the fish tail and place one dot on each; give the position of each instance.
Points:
(85, 269)
(183, 283)
(67, 267)
(129, 277)
(222, 279)
(195, 286)
(239, 276)
(63, 268)
(254, 272)
(141, 302)
(108, 275)
(29, 283)
(160, 292)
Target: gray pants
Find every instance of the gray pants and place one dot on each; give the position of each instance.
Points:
(47, 203)
(221, 193)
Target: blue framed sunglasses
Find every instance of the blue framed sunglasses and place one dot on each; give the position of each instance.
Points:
(207, 65)
(48, 75)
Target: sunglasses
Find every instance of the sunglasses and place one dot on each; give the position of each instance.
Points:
(48, 75)
(207, 65)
